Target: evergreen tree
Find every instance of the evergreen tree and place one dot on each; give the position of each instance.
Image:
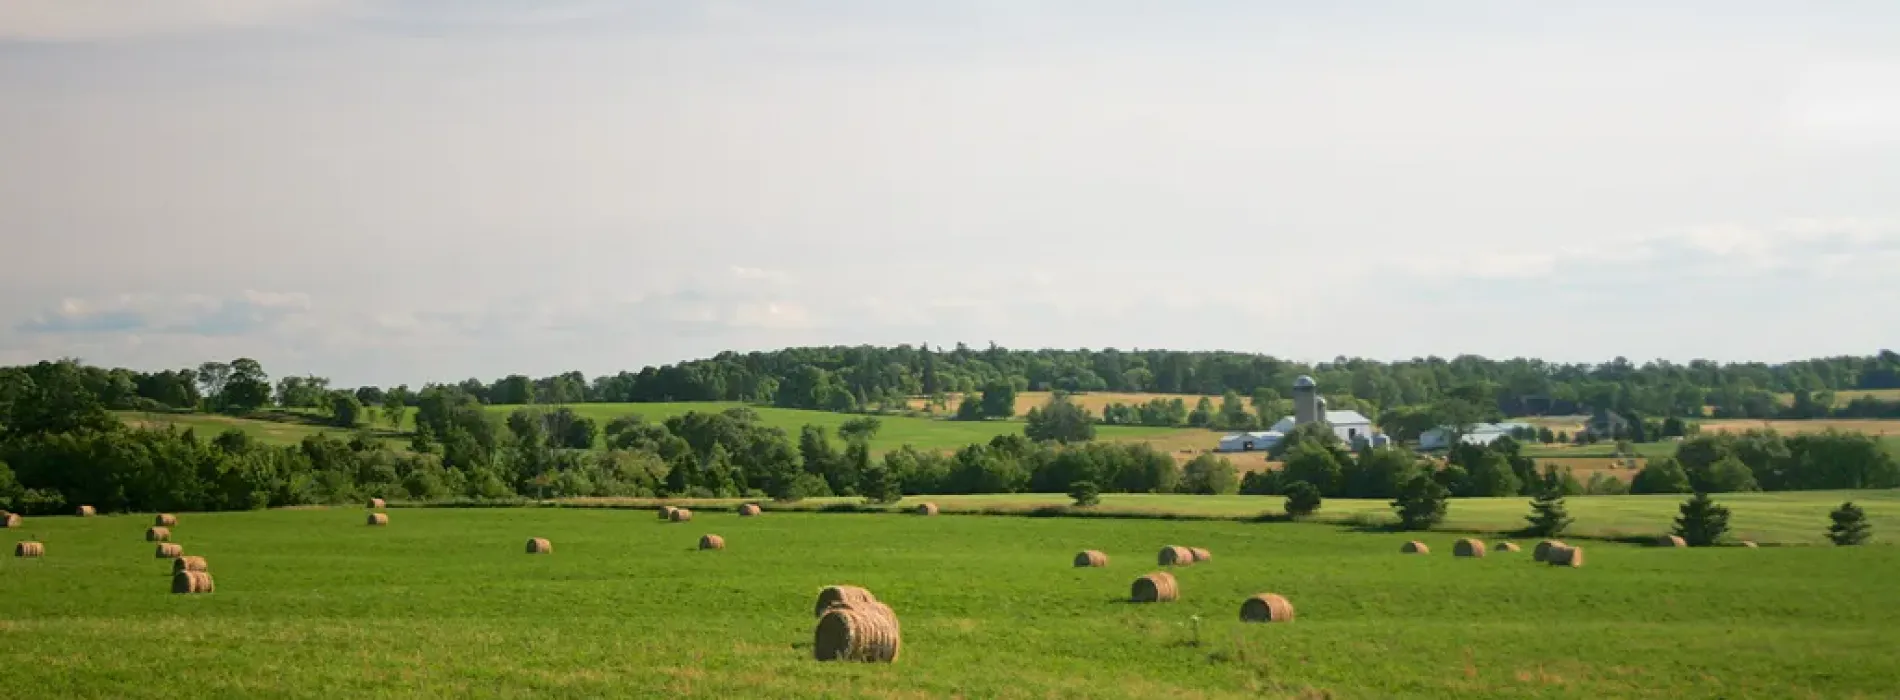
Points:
(1702, 522)
(1850, 525)
(1302, 499)
(1421, 503)
(1548, 517)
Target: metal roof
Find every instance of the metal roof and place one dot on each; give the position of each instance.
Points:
(1304, 382)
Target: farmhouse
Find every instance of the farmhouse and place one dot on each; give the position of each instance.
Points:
(1308, 407)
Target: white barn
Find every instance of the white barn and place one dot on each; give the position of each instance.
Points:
(1256, 441)
(1308, 407)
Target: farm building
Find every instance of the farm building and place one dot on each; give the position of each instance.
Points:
(1480, 434)
(1308, 407)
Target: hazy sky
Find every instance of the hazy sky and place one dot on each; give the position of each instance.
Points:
(392, 192)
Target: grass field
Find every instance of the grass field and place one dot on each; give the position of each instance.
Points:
(1094, 401)
(1846, 396)
(1791, 427)
(444, 602)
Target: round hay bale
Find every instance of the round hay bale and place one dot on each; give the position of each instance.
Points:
(170, 550)
(378, 518)
(1415, 547)
(712, 542)
(87, 511)
(1507, 547)
(10, 520)
(1200, 554)
(158, 534)
(377, 504)
(1175, 556)
(749, 510)
(680, 515)
(1671, 541)
(866, 633)
(540, 545)
(29, 550)
(165, 520)
(189, 564)
(1749, 544)
(1157, 587)
(1564, 555)
(1266, 607)
(192, 582)
(1468, 548)
(1091, 558)
(666, 512)
(841, 595)
(1542, 552)
(926, 509)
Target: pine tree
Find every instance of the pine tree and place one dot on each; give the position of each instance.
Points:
(1421, 503)
(1850, 525)
(1702, 522)
(1548, 517)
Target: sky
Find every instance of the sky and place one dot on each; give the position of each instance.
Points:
(390, 192)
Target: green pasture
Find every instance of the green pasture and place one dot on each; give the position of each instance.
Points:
(445, 603)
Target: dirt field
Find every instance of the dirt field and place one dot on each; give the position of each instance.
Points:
(1789, 427)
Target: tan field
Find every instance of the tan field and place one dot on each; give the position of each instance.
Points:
(1583, 467)
(1790, 427)
(1093, 401)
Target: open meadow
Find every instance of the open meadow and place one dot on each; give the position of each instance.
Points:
(1094, 401)
(446, 602)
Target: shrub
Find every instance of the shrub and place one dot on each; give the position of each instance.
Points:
(1207, 474)
(1085, 493)
(1850, 525)
(1661, 475)
(1266, 482)
(1302, 499)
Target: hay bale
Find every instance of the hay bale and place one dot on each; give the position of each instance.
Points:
(1415, 547)
(87, 511)
(189, 564)
(666, 512)
(680, 515)
(170, 550)
(540, 545)
(1468, 548)
(926, 509)
(1749, 544)
(1157, 587)
(1200, 554)
(1175, 556)
(192, 582)
(1506, 546)
(165, 520)
(841, 595)
(866, 633)
(10, 520)
(749, 510)
(1266, 607)
(1091, 558)
(379, 518)
(1671, 541)
(158, 534)
(377, 504)
(1564, 555)
(712, 542)
(1542, 552)
(29, 550)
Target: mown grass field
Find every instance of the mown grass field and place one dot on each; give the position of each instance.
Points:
(1094, 401)
(443, 602)
(1847, 396)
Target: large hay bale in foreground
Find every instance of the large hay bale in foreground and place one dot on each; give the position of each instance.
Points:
(841, 595)
(1200, 554)
(165, 520)
(1175, 556)
(9, 520)
(540, 545)
(169, 550)
(712, 542)
(1468, 548)
(666, 512)
(29, 550)
(87, 511)
(192, 582)
(865, 632)
(377, 504)
(1564, 555)
(679, 515)
(189, 564)
(926, 509)
(1091, 558)
(1157, 587)
(378, 518)
(1542, 552)
(1415, 547)
(1266, 607)
(158, 534)
(1671, 541)
(1507, 547)
(749, 510)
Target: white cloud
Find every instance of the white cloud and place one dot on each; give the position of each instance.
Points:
(77, 20)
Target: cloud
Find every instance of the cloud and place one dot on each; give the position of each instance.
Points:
(189, 314)
(83, 20)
